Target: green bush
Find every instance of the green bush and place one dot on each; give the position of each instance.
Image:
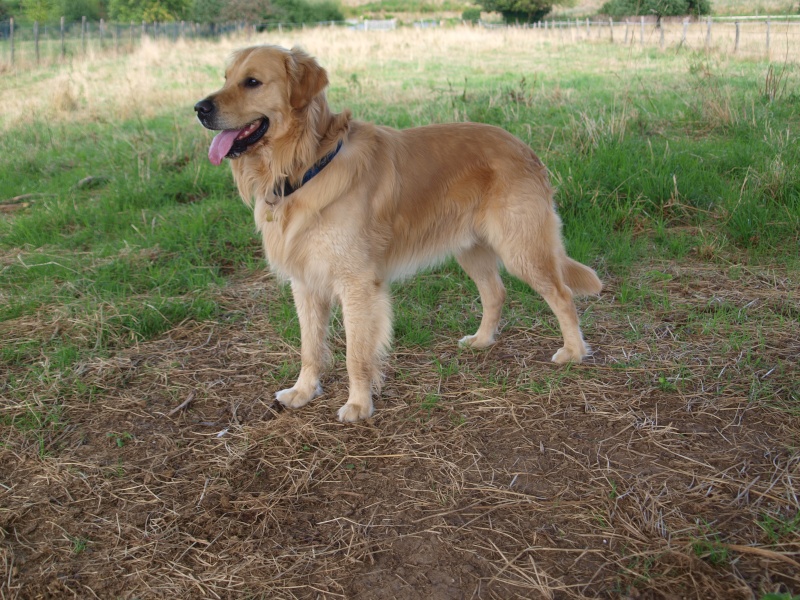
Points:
(148, 10)
(660, 8)
(207, 11)
(73, 10)
(473, 15)
(519, 11)
(302, 11)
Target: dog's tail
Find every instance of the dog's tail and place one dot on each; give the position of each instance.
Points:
(581, 279)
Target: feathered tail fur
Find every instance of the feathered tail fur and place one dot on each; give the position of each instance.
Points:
(581, 279)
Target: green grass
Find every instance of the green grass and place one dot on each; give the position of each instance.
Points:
(780, 527)
(35, 420)
(120, 439)
(139, 253)
(78, 544)
(387, 8)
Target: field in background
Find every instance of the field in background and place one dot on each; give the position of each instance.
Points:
(142, 342)
(585, 8)
(767, 30)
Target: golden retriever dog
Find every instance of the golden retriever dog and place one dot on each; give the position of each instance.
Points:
(346, 207)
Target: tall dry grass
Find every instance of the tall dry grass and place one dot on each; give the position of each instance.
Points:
(162, 76)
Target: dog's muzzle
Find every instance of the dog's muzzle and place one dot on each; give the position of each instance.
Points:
(230, 142)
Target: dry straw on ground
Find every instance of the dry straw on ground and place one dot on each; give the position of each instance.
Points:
(493, 474)
(666, 467)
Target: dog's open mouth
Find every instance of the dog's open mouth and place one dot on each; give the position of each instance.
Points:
(231, 143)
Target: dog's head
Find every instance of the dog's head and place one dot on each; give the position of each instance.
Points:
(264, 88)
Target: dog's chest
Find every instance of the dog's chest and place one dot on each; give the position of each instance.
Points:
(298, 248)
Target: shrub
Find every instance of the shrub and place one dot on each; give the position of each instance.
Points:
(522, 11)
(73, 10)
(147, 10)
(473, 15)
(659, 8)
(302, 11)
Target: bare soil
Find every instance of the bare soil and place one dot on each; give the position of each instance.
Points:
(651, 471)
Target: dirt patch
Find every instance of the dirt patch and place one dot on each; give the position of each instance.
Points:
(665, 467)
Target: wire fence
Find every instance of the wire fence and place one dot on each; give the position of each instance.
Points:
(770, 38)
(23, 45)
(47, 43)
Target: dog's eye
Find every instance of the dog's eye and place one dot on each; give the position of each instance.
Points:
(251, 83)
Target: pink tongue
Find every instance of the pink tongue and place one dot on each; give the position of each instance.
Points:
(221, 145)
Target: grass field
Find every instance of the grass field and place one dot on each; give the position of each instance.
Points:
(143, 339)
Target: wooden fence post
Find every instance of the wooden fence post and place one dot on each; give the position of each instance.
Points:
(63, 43)
(11, 37)
(685, 29)
(708, 34)
(588, 31)
(736, 42)
(102, 32)
(83, 34)
(611, 29)
(767, 39)
(36, 39)
(661, 35)
(626, 32)
(641, 32)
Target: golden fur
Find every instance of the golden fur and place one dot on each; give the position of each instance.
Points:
(389, 203)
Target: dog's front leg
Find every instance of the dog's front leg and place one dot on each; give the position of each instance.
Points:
(313, 312)
(367, 313)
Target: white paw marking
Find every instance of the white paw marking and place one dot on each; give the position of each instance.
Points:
(564, 356)
(295, 398)
(351, 412)
(473, 342)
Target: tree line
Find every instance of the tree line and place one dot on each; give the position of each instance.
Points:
(305, 11)
(203, 11)
(529, 11)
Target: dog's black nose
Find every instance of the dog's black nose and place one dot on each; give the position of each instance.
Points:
(204, 107)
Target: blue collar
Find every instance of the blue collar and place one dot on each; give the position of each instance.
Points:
(287, 188)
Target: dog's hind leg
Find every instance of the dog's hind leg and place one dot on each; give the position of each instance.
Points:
(544, 276)
(313, 312)
(367, 313)
(528, 241)
(480, 263)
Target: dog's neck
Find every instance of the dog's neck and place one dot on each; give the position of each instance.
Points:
(288, 187)
(314, 132)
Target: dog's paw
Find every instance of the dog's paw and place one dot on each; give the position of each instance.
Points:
(565, 355)
(295, 397)
(352, 412)
(476, 341)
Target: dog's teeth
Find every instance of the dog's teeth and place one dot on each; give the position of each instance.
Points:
(247, 131)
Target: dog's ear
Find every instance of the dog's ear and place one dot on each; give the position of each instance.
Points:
(306, 78)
